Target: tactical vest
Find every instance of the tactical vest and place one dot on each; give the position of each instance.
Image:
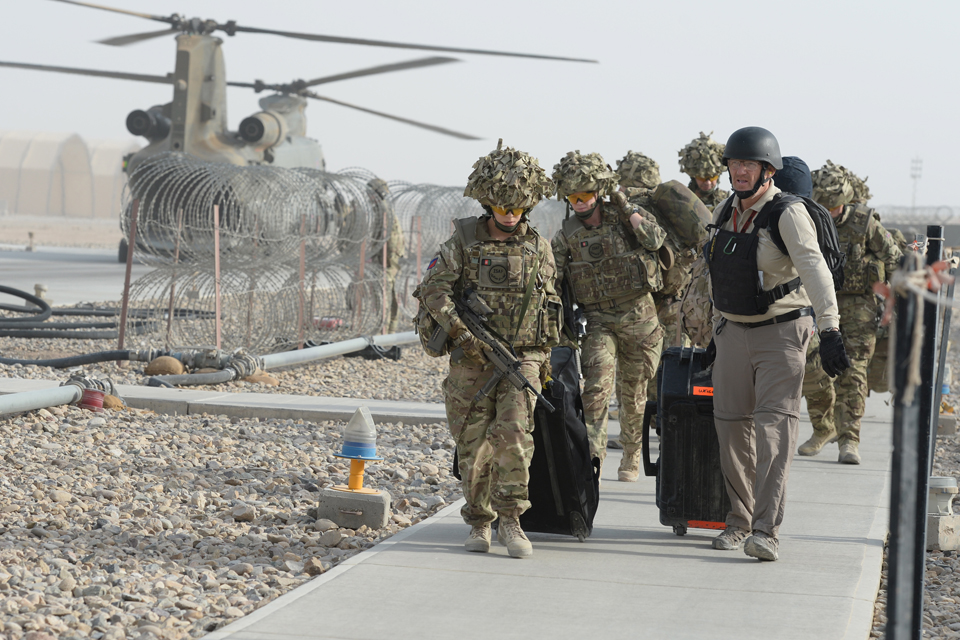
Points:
(499, 273)
(862, 269)
(732, 258)
(606, 264)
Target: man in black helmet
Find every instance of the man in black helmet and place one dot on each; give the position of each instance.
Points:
(765, 300)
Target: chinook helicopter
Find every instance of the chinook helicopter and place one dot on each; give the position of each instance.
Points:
(195, 121)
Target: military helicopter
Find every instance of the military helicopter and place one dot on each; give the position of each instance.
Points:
(195, 121)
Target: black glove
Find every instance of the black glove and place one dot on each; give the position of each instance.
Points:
(706, 360)
(833, 357)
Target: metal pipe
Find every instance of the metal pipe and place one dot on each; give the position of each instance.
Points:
(288, 358)
(40, 399)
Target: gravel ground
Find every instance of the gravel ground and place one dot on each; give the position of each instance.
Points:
(129, 524)
(942, 596)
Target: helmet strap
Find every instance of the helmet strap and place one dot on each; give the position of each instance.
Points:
(762, 180)
(585, 215)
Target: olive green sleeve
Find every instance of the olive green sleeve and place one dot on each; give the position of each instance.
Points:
(650, 234)
(561, 255)
(437, 289)
(882, 245)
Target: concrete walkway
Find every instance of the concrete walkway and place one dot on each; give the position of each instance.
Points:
(633, 578)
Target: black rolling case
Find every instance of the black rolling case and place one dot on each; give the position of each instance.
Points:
(564, 479)
(690, 485)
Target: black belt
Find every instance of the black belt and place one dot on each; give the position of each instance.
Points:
(784, 317)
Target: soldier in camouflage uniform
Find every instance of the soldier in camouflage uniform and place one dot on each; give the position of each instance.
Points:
(607, 250)
(702, 161)
(498, 256)
(872, 255)
(396, 249)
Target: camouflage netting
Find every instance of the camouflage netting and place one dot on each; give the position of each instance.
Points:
(506, 177)
(831, 185)
(861, 192)
(702, 158)
(637, 170)
(578, 172)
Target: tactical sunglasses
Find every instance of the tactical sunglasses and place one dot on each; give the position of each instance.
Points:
(514, 211)
(581, 196)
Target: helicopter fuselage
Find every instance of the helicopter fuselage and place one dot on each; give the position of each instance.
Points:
(195, 122)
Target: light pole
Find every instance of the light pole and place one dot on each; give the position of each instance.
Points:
(916, 170)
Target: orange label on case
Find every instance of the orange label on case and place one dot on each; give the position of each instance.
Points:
(703, 524)
(703, 391)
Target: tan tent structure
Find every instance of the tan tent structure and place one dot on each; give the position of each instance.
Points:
(55, 174)
(106, 160)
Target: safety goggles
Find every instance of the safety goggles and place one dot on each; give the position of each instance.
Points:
(581, 196)
(516, 211)
(708, 178)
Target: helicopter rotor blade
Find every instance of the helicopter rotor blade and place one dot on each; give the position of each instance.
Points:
(122, 41)
(148, 16)
(119, 75)
(422, 125)
(399, 45)
(384, 68)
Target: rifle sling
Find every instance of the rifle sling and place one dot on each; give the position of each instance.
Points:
(526, 299)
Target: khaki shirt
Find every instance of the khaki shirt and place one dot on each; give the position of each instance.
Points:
(800, 237)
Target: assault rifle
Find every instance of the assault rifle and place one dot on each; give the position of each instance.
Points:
(473, 311)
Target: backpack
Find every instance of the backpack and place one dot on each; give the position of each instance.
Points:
(827, 238)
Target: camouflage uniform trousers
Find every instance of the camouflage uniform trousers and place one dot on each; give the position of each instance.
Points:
(819, 391)
(877, 375)
(624, 341)
(494, 437)
(668, 313)
(859, 328)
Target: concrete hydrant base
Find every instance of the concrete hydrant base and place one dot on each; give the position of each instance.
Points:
(353, 510)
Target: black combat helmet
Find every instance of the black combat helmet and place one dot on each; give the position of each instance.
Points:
(753, 143)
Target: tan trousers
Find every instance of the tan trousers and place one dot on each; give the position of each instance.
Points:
(756, 404)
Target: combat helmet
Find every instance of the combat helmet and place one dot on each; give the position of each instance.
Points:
(637, 170)
(578, 172)
(508, 178)
(702, 158)
(861, 192)
(831, 186)
(753, 143)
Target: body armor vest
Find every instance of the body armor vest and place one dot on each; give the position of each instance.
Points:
(861, 269)
(732, 258)
(605, 263)
(499, 272)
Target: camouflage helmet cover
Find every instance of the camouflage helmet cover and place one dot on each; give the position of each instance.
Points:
(509, 178)
(831, 186)
(702, 158)
(578, 172)
(637, 170)
(861, 192)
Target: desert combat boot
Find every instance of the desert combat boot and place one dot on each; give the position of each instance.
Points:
(510, 535)
(629, 470)
(849, 453)
(479, 539)
(816, 442)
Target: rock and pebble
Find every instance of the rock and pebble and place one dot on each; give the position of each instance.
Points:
(139, 525)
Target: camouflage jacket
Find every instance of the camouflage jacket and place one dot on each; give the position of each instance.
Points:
(605, 263)
(710, 198)
(872, 253)
(498, 270)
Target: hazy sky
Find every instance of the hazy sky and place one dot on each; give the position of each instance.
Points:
(866, 84)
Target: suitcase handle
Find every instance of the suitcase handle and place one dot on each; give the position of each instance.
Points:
(649, 468)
